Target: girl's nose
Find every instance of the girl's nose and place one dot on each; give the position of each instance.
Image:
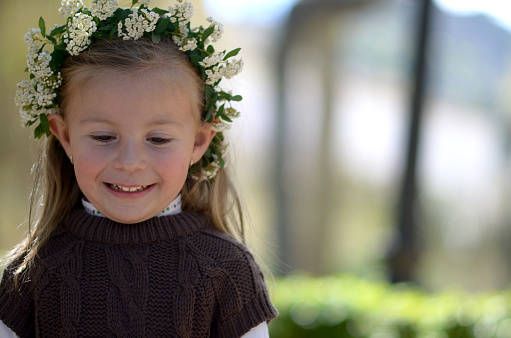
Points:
(130, 156)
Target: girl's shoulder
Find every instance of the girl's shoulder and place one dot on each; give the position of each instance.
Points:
(16, 299)
(238, 282)
(223, 248)
(229, 262)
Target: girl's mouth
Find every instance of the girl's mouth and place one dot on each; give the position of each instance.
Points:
(128, 189)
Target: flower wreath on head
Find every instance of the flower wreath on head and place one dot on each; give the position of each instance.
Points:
(39, 96)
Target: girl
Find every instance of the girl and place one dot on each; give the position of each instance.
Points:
(135, 235)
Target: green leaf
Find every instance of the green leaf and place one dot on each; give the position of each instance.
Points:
(107, 28)
(58, 57)
(232, 53)
(43, 128)
(195, 58)
(117, 14)
(38, 131)
(159, 11)
(51, 39)
(161, 26)
(114, 32)
(133, 3)
(171, 27)
(209, 113)
(208, 32)
(221, 161)
(221, 110)
(209, 91)
(237, 98)
(225, 96)
(58, 30)
(42, 26)
(44, 122)
(123, 14)
(156, 37)
(61, 46)
(211, 49)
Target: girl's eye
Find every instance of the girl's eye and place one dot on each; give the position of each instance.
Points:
(159, 140)
(103, 138)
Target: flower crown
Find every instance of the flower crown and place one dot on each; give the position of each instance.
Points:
(39, 96)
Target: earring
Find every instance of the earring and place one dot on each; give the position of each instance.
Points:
(71, 159)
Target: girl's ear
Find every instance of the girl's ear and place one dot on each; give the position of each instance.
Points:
(59, 128)
(202, 141)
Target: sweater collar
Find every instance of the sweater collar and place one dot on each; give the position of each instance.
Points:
(101, 229)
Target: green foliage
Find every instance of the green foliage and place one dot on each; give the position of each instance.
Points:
(232, 53)
(347, 306)
(42, 26)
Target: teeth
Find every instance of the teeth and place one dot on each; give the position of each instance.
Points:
(128, 189)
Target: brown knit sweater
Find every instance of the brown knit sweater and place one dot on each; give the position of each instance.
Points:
(171, 276)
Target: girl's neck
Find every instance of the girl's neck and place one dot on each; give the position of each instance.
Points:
(173, 208)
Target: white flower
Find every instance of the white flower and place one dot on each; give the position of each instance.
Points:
(26, 116)
(145, 2)
(33, 98)
(178, 40)
(53, 82)
(190, 44)
(212, 60)
(103, 8)
(80, 30)
(39, 64)
(213, 75)
(31, 37)
(183, 29)
(232, 113)
(220, 126)
(182, 11)
(70, 7)
(24, 95)
(232, 68)
(211, 170)
(136, 24)
(218, 30)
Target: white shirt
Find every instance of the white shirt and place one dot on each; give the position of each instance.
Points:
(260, 331)
(5, 332)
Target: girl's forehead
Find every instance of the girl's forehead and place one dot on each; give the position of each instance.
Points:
(155, 79)
(131, 95)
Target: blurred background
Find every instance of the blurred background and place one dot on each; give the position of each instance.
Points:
(365, 147)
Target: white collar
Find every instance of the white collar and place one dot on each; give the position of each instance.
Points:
(173, 208)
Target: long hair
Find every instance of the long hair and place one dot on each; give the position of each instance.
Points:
(56, 192)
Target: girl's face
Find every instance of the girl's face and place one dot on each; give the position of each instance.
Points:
(132, 140)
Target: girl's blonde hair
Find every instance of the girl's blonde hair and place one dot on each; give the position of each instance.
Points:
(56, 190)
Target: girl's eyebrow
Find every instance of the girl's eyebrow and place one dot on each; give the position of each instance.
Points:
(165, 121)
(95, 119)
(99, 119)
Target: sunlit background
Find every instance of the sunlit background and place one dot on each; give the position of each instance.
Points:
(342, 219)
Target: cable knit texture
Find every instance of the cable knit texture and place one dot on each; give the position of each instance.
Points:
(171, 276)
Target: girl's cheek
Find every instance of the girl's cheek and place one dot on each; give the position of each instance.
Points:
(172, 162)
(90, 158)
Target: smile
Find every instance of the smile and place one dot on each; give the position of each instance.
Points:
(128, 189)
